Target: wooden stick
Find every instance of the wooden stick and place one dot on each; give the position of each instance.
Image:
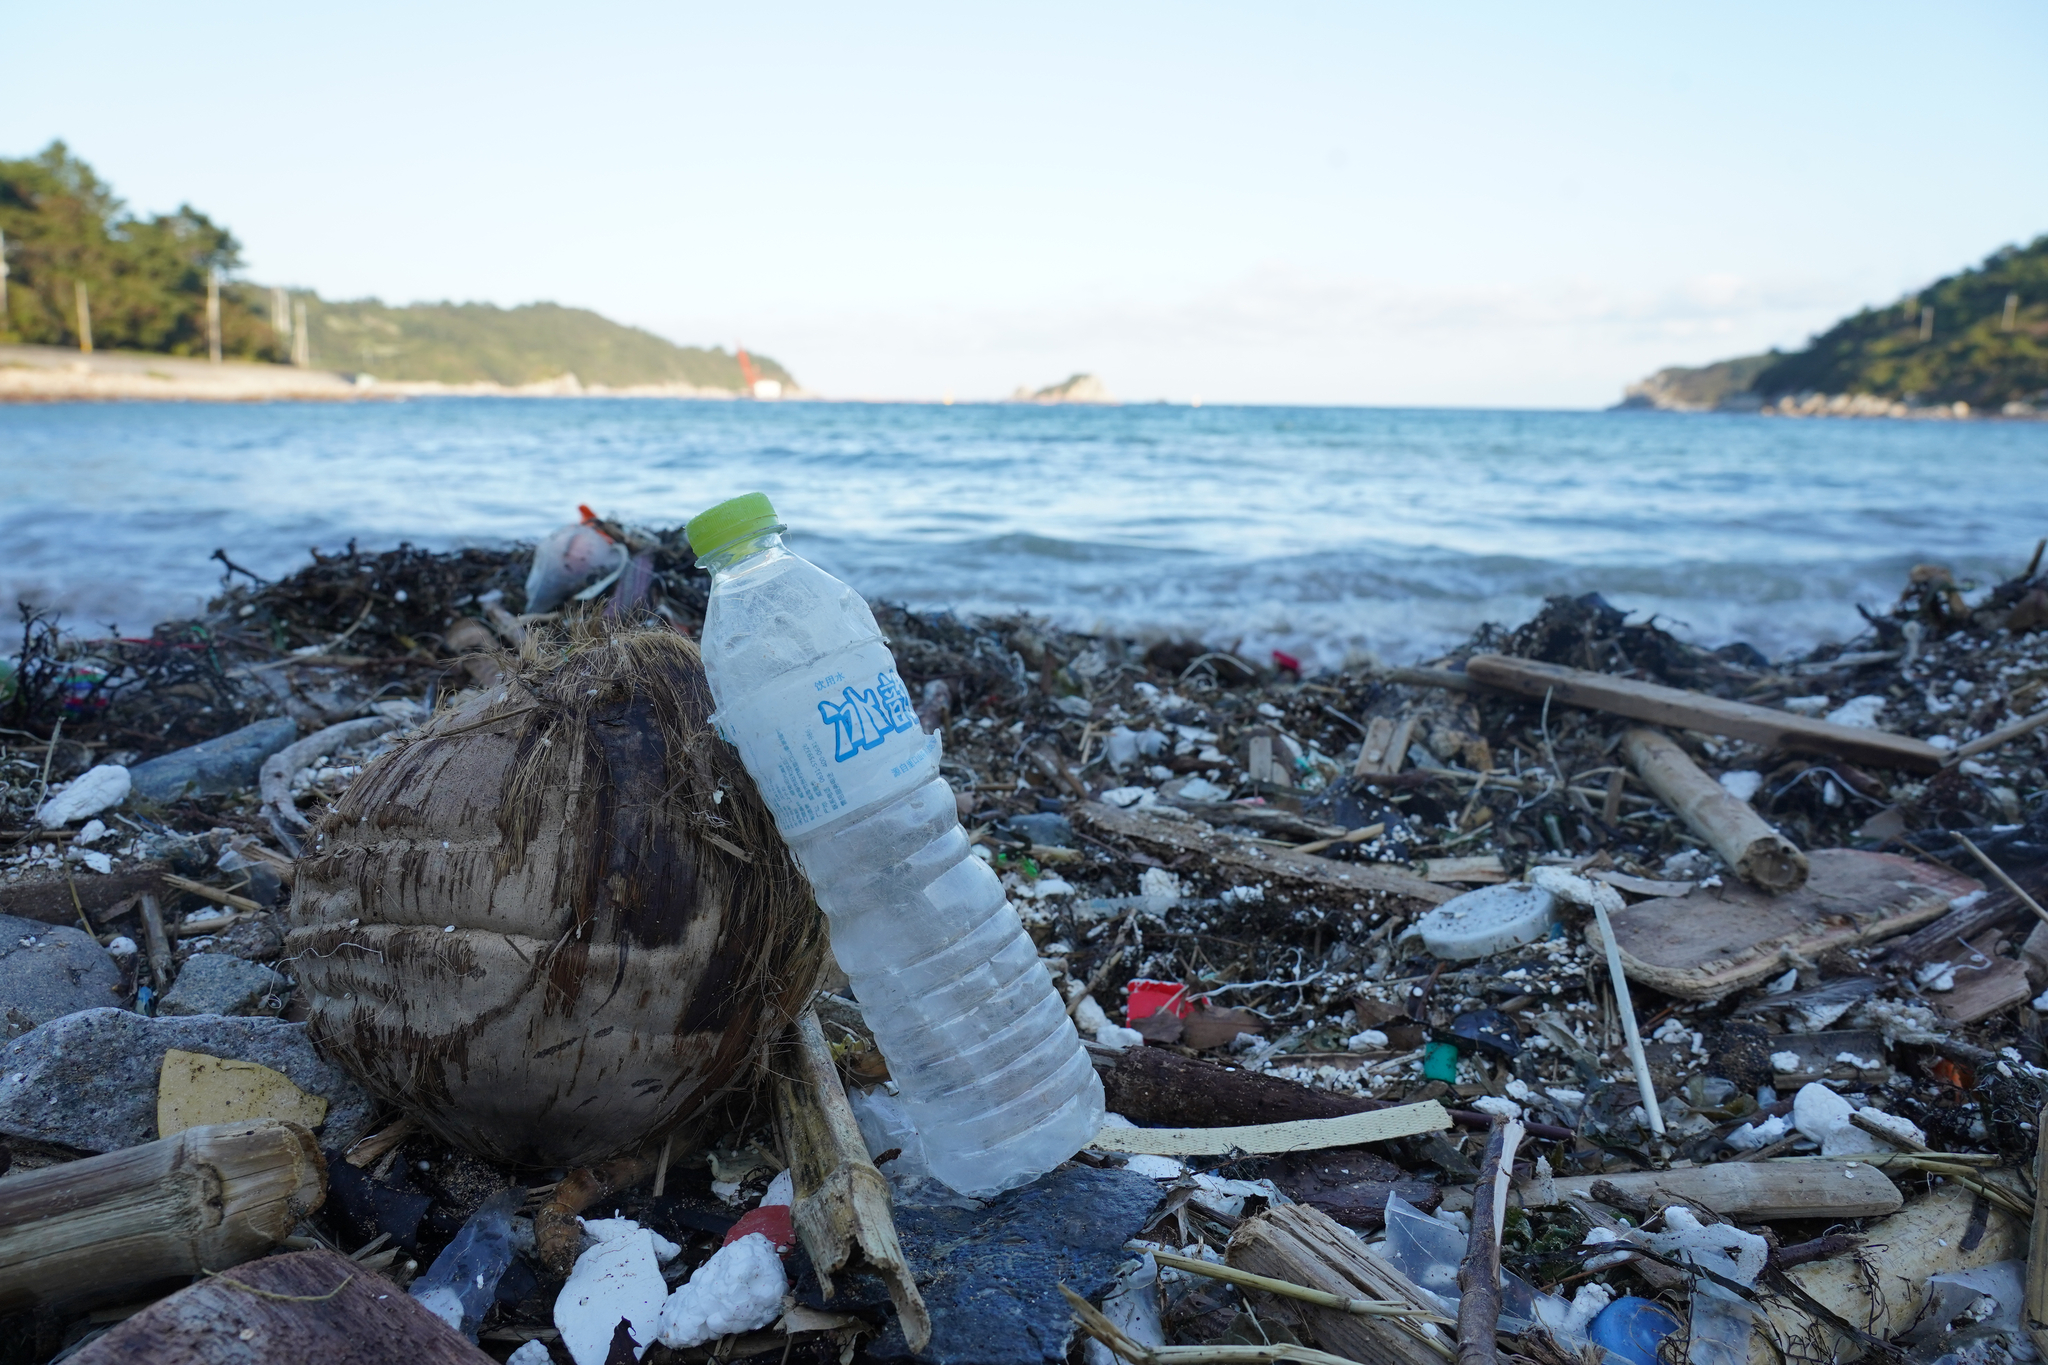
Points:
(207, 1198)
(1356, 836)
(1382, 1308)
(368, 1150)
(211, 893)
(2037, 1245)
(2005, 734)
(1758, 853)
(557, 1237)
(155, 943)
(1999, 873)
(1696, 711)
(842, 1201)
(1479, 1272)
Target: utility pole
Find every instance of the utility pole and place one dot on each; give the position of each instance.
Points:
(84, 316)
(1927, 324)
(213, 315)
(2012, 303)
(280, 322)
(302, 341)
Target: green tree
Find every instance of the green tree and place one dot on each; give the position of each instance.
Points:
(1953, 340)
(145, 277)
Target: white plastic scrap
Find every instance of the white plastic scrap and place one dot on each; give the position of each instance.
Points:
(617, 1279)
(1824, 1116)
(98, 788)
(1133, 1305)
(1159, 889)
(1860, 712)
(1751, 1136)
(1742, 784)
(1723, 1248)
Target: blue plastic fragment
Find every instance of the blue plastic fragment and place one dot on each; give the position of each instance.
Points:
(1631, 1328)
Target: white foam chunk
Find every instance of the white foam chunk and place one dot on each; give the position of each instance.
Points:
(89, 794)
(738, 1290)
(619, 1279)
(530, 1353)
(1487, 921)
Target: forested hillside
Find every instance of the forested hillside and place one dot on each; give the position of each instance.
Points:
(77, 257)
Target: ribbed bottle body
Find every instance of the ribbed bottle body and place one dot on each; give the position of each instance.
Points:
(988, 1064)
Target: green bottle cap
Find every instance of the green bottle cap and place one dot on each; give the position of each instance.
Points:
(712, 530)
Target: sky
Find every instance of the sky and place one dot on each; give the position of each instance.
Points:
(1335, 203)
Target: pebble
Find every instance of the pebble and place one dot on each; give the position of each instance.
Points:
(48, 971)
(88, 1080)
(218, 983)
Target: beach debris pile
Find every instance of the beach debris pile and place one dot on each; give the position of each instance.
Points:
(1582, 987)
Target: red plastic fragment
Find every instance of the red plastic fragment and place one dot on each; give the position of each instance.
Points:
(1148, 998)
(771, 1221)
(1286, 663)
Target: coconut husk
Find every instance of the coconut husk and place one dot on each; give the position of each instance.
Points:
(557, 920)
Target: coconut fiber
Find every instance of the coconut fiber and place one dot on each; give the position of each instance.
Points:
(557, 920)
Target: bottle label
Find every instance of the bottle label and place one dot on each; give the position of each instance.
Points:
(840, 737)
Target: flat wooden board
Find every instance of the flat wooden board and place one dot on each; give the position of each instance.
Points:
(1761, 1190)
(1718, 939)
(1299, 870)
(1301, 1135)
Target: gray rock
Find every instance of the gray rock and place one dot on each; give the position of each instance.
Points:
(214, 768)
(88, 1080)
(218, 983)
(991, 1276)
(48, 971)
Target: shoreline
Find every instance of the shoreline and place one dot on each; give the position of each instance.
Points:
(52, 374)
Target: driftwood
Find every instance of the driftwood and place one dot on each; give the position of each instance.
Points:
(1364, 882)
(309, 1306)
(1696, 711)
(1385, 747)
(1731, 826)
(1756, 1191)
(1305, 1246)
(156, 945)
(842, 1201)
(2037, 1245)
(1479, 1272)
(205, 1199)
(1158, 1088)
(274, 781)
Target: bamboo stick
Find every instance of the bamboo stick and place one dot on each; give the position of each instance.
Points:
(1758, 853)
(842, 1201)
(204, 1199)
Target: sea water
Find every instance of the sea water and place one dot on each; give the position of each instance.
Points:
(1324, 532)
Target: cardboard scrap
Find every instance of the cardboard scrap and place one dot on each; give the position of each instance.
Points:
(1717, 939)
(194, 1089)
(1302, 1135)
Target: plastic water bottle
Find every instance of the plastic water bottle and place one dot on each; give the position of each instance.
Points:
(989, 1066)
